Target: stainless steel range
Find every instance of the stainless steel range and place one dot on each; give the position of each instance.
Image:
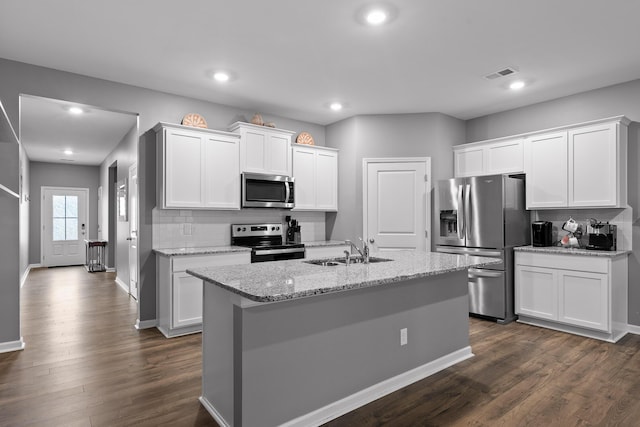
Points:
(265, 241)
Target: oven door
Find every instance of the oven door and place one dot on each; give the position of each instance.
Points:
(262, 255)
(267, 191)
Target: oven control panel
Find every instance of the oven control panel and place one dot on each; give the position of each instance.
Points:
(255, 230)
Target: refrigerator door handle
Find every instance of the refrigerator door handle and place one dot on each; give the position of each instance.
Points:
(460, 214)
(467, 210)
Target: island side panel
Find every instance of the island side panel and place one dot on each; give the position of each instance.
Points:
(217, 354)
(301, 355)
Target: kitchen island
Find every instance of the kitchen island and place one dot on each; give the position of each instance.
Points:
(294, 343)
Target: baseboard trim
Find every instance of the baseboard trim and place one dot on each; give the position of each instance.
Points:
(340, 407)
(122, 285)
(6, 347)
(633, 329)
(212, 411)
(111, 270)
(146, 324)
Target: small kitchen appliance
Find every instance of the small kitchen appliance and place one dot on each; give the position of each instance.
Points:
(541, 233)
(602, 236)
(265, 241)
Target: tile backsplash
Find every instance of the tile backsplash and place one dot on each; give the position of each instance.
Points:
(200, 228)
(620, 217)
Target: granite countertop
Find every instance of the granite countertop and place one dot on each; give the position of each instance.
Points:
(559, 250)
(287, 280)
(208, 250)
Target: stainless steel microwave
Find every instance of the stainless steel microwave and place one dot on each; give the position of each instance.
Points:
(267, 191)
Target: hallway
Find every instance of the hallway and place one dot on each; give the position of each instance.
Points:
(86, 365)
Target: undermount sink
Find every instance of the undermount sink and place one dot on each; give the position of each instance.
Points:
(332, 262)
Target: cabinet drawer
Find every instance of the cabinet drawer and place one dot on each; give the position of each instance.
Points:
(565, 262)
(183, 263)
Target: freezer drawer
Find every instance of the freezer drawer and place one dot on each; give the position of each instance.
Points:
(487, 293)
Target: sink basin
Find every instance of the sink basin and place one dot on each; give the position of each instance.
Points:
(360, 260)
(323, 262)
(332, 262)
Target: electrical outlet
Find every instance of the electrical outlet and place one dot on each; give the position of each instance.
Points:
(403, 336)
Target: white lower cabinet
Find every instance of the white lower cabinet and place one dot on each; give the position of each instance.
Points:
(180, 294)
(581, 294)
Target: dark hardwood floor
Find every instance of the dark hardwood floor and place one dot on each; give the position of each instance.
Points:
(86, 365)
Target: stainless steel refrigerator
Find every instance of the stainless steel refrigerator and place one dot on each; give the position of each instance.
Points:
(484, 216)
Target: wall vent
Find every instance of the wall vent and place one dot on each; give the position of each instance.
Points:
(501, 73)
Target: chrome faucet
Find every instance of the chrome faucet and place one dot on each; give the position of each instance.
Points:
(364, 253)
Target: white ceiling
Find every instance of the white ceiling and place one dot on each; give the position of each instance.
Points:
(292, 58)
(47, 129)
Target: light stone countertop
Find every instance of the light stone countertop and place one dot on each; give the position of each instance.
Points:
(324, 243)
(287, 280)
(559, 250)
(209, 250)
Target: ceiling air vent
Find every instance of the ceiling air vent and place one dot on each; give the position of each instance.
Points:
(501, 73)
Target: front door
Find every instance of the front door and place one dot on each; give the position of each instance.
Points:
(397, 203)
(64, 226)
(133, 231)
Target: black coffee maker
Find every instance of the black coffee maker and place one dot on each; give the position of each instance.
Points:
(602, 236)
(541, 233)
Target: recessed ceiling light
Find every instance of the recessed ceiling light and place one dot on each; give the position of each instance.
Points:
(335, 106)
(518, 84)
(376, 17)
(76, 110)
(68, 152)
(221, 76)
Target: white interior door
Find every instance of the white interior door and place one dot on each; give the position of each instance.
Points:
(397, 203)
(64, 226)
(133, 231)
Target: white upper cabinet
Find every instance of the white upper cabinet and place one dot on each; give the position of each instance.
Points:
(264, 149)
(578, 167)
(315, 170)
(546, 169)
(197, 168)
(489, 157)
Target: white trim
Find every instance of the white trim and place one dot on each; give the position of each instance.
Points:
(340, 407)
(42, 211)
(428, 187)
(111, 270)
(146, 324)
(122, 285)
(6, 347)
(8, 191)
(26, 273)
(614, 336)
(633, 329)
(212, 411)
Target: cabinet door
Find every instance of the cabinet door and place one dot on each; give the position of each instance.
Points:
(504, 157)
(254, 150)
(326, 180)
(536, 292)
(304, 172)
(278, 154)
(222, 172)
(468, 161)
(584, 299)
(183, 169)
(546, 169)
(592, 166)
(187, 300)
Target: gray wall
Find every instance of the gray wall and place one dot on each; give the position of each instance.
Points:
(152, 106)
(394, 135)
(59, 175)
(622, 99)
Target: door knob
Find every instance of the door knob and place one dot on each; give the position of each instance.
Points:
(372, 240)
